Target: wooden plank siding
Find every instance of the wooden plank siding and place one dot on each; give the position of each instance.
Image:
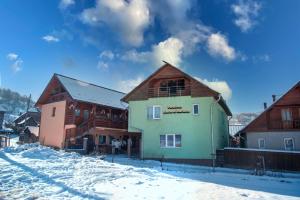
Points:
(55, 92)
(271, 119)
(150, 87)
(247, 159)
(168, 72)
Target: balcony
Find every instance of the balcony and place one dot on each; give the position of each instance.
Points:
(285, 125)
(171, 91)
(108, 123)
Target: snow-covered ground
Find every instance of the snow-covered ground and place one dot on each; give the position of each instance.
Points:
(37, 172)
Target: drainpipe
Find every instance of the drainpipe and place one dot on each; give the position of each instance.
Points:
(212, 129)
(228, 141)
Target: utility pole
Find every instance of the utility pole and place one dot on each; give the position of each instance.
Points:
(28, 102)
(28, 105)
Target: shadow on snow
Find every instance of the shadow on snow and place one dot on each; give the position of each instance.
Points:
(49, 180)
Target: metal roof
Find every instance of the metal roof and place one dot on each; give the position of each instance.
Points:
(87, 92)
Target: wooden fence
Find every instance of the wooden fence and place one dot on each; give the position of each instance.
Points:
(251, 158)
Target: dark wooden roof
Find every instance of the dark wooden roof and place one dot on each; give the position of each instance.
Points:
(198, 89)
(284, 100)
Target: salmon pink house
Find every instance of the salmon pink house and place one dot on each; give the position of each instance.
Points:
(72, 109)
(180, 119)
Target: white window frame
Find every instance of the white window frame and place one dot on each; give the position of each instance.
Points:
(153, 112)
(286, 114)
(174, 141)
(194, 110)
(261, 139)
(292, 142)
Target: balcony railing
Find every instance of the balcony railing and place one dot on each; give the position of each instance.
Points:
(120, 124)
(169, 91)
(284, 125)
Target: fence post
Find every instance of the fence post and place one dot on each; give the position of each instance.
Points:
(85, 140)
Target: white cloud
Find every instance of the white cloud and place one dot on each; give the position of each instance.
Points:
(128, 18)
(102, 65)
(192, 37)
(50, 38)
(128, 85)
(17, 65)
(170, 50)
(66, 3)
(16, 62)
(138, 57)
(107, 54)
(246, 12)
(220, 86)
(12, 56)
(261, 58)
(217, 45)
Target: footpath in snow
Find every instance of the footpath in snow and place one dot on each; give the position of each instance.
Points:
(37, 172)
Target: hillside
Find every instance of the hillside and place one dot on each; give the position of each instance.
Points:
(243, 118)
(13, 102)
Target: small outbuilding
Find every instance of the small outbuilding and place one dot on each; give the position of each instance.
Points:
(29, 135)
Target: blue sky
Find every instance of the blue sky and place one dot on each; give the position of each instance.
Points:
(246, 49)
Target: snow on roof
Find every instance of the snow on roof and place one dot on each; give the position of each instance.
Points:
(24, 120)
(87, 92)
(235, 128)
(34, 130)
(33, 110)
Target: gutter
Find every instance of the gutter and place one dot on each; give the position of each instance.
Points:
(212, 130)
(228, 142)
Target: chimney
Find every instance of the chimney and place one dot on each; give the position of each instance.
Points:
(265, 105)
(274, 97)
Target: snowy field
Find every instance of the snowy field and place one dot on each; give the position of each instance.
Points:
(36, 172)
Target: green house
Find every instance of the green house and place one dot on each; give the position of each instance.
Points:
(180, 119)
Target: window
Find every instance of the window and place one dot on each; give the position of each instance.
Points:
(162, 140)
(102, 139)
(53, 111)
(77, 112)
(177, 140)
(180, 84)
(163, 86)
(261, 143)
(196, 109)
(286, 114)
(86, 114)
(289, 144)
(170, 140)
(154, 112)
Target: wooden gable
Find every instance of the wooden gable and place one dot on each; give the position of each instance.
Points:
(54, 85)
(168, 71)
(268, 119)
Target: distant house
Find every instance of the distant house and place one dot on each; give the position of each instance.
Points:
(73, 109)
(180, 118)
(29, 135)
(278, 126)
(30, 118)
